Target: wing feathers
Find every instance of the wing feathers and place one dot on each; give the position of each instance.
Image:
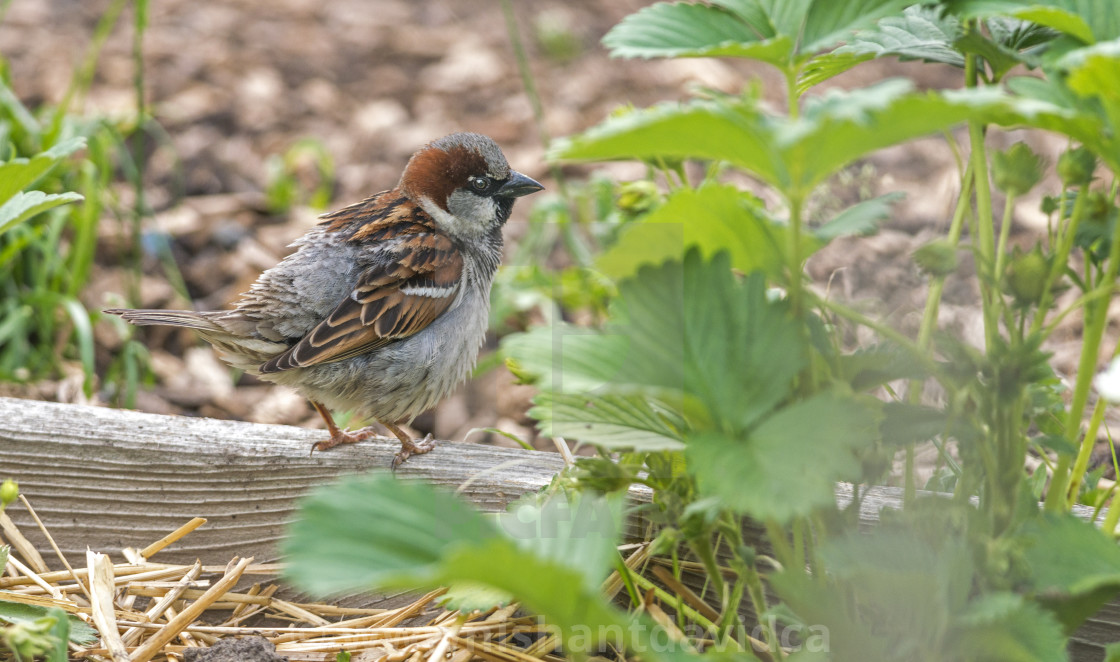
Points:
(399, 296)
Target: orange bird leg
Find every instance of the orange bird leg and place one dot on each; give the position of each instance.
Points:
(409, 447)
(338, 436)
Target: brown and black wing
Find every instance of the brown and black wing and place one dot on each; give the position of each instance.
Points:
(405, 291)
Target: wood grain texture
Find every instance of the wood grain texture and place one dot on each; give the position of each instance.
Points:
(107, 479)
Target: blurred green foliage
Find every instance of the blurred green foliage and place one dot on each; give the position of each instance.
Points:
(710, 371)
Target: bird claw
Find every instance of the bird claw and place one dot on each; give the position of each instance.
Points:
(341, 437)
(410, 448)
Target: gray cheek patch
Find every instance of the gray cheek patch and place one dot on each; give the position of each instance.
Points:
(473, 216)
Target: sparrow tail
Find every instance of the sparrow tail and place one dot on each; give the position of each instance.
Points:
(185, 318)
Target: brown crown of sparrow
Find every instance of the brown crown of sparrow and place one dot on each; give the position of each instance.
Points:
(382, 308)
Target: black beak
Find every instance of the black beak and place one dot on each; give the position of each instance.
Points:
(518, 185)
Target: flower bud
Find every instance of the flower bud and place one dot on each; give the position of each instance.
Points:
(1094, 235)
(1026, 276)
(602, 475)
(1050, 204)
(1098, 208)
(1017, 170)
(638, 197)
(937, 258)
(1076, 166)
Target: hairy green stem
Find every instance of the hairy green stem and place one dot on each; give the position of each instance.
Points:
(985, 234)
(929, 316)
(1096, 320)
(702, 547)
(732, 527)
(796, 199)
(904, 343)
(1004, 233)
(1081, 465)
(793, 101)
(627, 578)
(1098, 293)
(777, 537)
(731, 626)
(1012, 448)
(756, 594)
(937, 285)
(796, 292)
(1056, 497)
(1061, 258)
(984, 243)
(910, 488)
(799, 543)
(1113, 516)
(674, 600)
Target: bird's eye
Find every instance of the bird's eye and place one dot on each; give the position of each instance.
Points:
(480, 184)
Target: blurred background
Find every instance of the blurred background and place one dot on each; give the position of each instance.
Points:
(258, 116)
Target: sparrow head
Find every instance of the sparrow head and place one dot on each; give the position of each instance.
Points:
(464, 182)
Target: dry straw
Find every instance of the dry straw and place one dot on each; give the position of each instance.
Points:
(145, 610)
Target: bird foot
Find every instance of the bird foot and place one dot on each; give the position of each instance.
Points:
(410, 448)
(339, 437)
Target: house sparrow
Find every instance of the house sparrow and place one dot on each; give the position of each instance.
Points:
(382, 308)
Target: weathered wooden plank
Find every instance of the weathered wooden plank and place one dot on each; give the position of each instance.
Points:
(107, 479)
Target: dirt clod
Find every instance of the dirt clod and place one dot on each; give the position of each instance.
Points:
(242, 649)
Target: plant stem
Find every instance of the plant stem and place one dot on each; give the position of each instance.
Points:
(887, 332)
(732, 527)
(910, 489)
(937, 285)
(929, 317)
(1113, 516)
(702, 547)
(1011, 448)
(674, 600)
(985, 233)
(1081, 465)
(795, 280)
(758, 601)
(1095, 319)
(1081, 301)
(792, 99)
(777, 537)
(627, 578)
(984, 243)
(1004, 232)
(1061, 258)
(799, 543)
